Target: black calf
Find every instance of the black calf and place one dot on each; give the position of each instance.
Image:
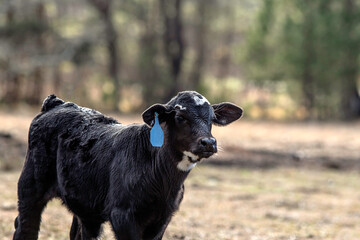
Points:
(105, 171)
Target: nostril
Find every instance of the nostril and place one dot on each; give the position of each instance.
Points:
(204, 142)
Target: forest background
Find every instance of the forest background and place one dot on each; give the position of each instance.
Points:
(278, 59)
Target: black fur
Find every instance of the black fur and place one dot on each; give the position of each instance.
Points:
(105, 171)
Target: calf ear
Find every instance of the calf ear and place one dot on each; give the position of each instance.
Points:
(149, 114)
(226, 113)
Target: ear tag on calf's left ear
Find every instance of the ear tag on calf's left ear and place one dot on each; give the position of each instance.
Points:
(156, 133)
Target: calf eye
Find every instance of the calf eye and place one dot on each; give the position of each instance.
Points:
(180, 119)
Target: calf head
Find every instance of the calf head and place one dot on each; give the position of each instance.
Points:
(187, 120)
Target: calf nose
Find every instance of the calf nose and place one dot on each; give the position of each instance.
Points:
(209, 144)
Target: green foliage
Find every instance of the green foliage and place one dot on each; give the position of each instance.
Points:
(304, 41)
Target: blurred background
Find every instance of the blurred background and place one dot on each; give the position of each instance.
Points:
(289, 169)
(281, 59)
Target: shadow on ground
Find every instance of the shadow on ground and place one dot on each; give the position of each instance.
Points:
(263, 159)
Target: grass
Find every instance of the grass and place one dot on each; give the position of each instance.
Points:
(232, 203)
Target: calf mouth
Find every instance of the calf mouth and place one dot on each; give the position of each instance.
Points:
(197, 156)
(190, 159)
(206, 154)
(201, 155)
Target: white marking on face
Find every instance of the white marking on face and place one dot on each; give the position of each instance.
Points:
(191, 155)
(180, 107)
(200, 101)
(185, 164)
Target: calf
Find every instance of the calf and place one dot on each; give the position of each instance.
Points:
(105, 171)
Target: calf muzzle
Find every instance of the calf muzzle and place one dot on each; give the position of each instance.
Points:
(207, 146)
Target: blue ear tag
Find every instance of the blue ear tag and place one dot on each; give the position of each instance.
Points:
(156, 133)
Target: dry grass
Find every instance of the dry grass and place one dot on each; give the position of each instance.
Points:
(230, 203)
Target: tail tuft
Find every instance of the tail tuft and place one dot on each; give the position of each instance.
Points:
(51, 102)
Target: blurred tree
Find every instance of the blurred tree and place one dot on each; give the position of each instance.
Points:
(173, 42)
(259, 56)
(227, 38)
(326, 45)
(350, 46)
(151, 78)
(11, 82)
(36, 80)
(308, 56)
(200, 44)
(314, 44)
(23, 38)
(104, 8)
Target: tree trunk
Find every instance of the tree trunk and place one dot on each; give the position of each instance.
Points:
(12, 80)
(308, 91)
(114, 62)
(104, 8)
(149, 69)
(308, 60)
(173, 41)
(200, 45)
(350, 99)
(227, 39)
(12, 88)
(57, 80)
(34, 91)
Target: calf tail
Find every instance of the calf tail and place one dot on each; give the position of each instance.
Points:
(51, 102)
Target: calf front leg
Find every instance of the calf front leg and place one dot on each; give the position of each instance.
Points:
(75, 231)
(84, 230)
(124, 225)
(33, 194)
(156, 231)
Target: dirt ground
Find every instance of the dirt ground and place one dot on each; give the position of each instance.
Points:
(270, 181)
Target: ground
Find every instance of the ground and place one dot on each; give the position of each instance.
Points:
(270, 181)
